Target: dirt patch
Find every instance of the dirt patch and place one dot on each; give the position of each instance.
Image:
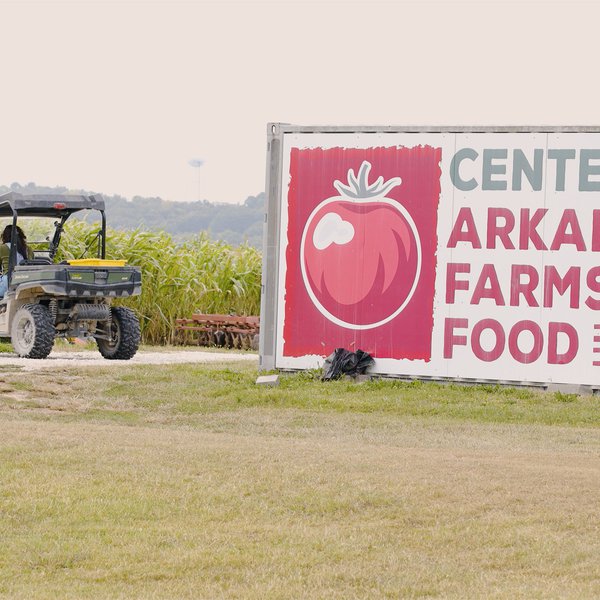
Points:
(76, 360)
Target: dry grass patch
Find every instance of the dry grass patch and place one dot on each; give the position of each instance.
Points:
(220, 489)
(110, 511)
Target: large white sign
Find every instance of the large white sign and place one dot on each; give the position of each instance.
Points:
(467, 255)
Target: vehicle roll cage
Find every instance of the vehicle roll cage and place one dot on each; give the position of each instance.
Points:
(60, 206)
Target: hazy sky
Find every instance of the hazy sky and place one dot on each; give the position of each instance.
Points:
(118, 96)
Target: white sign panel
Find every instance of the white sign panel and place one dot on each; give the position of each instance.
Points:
(466, 255)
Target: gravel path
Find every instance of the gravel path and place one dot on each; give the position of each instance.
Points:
(93, 359)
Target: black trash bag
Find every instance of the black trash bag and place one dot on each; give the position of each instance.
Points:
(344, 362)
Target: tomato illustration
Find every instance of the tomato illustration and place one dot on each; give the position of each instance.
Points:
(360, 253)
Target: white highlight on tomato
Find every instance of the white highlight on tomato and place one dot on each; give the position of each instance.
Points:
(332, 229)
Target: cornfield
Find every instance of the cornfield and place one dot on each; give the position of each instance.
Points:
(177, 279)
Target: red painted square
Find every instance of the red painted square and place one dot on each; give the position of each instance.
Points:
(361, 251)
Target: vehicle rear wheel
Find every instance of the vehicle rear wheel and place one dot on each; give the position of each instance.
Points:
(124, 335)
(32, 331)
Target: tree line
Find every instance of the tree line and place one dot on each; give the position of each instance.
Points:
(234, 224)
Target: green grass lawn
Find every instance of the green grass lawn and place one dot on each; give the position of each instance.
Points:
(192, 482)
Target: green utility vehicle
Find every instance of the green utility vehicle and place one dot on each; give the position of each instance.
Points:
(71, 299)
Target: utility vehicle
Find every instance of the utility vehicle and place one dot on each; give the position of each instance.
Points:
(70, 299)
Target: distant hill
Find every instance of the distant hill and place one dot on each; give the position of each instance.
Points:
(231, 223)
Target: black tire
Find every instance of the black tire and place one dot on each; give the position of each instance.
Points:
(125, 335)
(32, 331)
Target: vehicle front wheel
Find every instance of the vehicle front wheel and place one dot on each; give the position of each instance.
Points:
(32, 331)
(124, 335)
